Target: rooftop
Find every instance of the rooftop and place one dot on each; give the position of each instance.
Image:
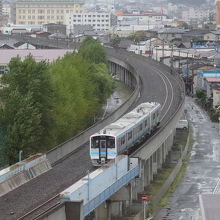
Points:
(171, 31)
(39, 55)
(59, 1)
(129, 119)
(213, 79)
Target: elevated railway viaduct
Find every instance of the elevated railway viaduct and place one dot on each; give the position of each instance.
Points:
(151, 81)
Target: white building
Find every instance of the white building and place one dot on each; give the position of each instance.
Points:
(147, 18)
(195, 14)
(100, 21)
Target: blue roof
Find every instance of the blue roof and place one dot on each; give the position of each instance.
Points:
(209, 72)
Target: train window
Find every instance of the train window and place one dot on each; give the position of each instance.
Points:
(129, 135)
(140, 127)
(123, 140)
(145, 123)
(95, 144)
(154, 115)
(119, 143)
(111, 143)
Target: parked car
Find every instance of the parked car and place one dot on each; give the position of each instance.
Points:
(182, 124)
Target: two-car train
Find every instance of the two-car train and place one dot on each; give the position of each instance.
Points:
(119, 136)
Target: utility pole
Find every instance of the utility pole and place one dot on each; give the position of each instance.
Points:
(179, 61)
(163, 48)
(171, 59)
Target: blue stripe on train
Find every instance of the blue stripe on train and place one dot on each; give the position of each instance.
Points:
(93, 153)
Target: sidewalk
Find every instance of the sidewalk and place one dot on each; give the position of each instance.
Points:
(203, 171)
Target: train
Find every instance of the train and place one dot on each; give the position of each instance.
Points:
(123, 134)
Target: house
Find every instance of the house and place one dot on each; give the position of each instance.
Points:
(209, 83)
(6, 46)
(23, 45)
(185, 45)
(194, 35)
(199, 79)
(212, 36)
(216, 95)
(169, 34)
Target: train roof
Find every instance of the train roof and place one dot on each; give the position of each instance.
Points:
(128, 120)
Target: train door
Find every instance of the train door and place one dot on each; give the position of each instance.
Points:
(103, 151)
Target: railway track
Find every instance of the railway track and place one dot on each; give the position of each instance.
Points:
(41, 209)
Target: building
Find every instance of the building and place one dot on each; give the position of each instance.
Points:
(200, 81)
(195, 14)
(100, 21)
(216, 95)
(49, 11)
(1, 13)
(212, 36)
(147, 18)
(55, 28)
(169, 34)
(217, 13)
(39, 55)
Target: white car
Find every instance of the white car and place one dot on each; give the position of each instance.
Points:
(182, 124)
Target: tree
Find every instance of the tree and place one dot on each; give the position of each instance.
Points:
(26, 101)
(81, 88)
(24, 132)
(92, 51)
(115, 41)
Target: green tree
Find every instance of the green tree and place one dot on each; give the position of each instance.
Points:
(26, 98)
(92, 51)
(115, 41)
(81, 88)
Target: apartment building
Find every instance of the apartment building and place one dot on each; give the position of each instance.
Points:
(48, 11)
(146, 18)
(195, 14)
(100, 21)
(0, 8)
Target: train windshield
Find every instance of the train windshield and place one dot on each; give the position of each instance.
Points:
(97, 141)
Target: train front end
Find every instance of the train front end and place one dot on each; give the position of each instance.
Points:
(102, 149)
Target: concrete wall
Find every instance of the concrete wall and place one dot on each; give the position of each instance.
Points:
(24, 173)
(172, 176)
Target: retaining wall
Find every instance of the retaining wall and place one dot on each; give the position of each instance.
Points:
(171, 177)
(25, 171)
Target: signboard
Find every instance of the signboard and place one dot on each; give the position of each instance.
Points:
(144, 198)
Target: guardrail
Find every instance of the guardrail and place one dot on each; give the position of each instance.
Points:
(63, 150)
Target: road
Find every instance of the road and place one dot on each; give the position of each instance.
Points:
(203, 171)
(157, 85)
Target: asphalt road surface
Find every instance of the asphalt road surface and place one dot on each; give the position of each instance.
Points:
(203, 171)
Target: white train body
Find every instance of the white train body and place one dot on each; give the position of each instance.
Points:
(124, 133)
